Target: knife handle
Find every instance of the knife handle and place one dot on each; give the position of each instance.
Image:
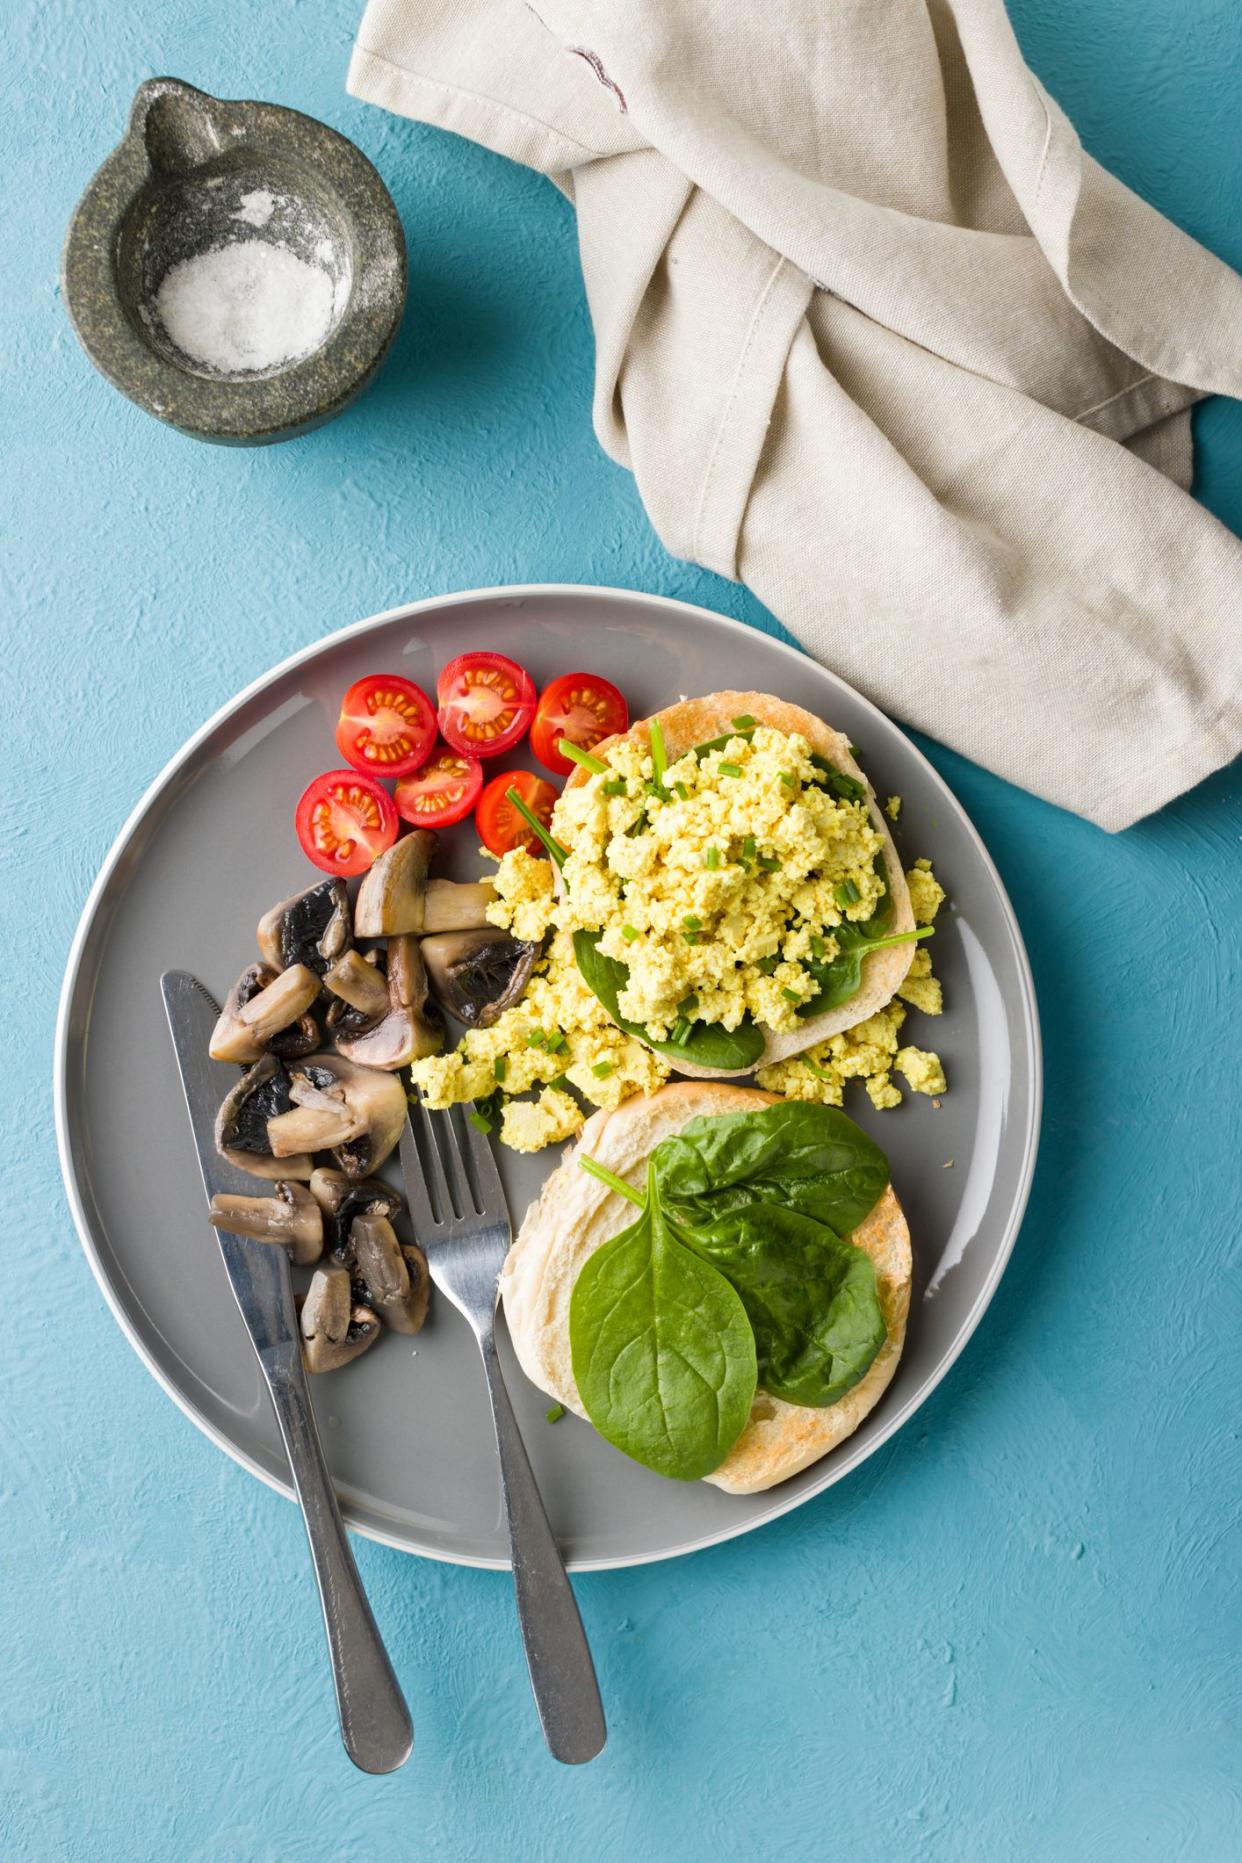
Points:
(375, 1722)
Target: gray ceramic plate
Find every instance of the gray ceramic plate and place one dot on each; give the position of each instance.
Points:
(406, 1429)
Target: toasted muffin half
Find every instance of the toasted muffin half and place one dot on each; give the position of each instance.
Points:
(576, 1214)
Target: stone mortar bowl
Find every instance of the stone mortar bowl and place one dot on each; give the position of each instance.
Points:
(174, 188)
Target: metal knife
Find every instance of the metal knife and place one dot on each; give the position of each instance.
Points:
(375, 1722)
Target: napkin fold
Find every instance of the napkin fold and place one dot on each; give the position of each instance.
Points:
(878, 338)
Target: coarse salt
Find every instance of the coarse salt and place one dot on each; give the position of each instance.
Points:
(255, 208)
(245, 307)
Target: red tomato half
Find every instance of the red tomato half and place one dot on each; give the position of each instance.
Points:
(580, 706)
(441, 792)
(345, 821)
(387, 725)
(486, 703)
(500, 825)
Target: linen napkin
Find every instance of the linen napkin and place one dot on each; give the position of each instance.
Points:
(878, 338)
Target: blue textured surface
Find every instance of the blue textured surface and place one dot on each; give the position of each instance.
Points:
(1015, 1632)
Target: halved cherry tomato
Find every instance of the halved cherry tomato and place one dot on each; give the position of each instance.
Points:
(499, 824)
(387, 725)
(444, 790)
(345, 821)
(580, 706)
(486, 703)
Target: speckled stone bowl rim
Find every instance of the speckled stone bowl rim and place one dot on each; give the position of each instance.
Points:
(250, 409)
(118, 870)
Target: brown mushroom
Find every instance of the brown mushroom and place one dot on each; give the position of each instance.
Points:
(391, 897)
(342, 1198)
(335, 1105)
(290, 1216)
(413, 1026)
(262, 1004)
(358, 981)
(335, 1328)
(397, 1282)
(311, 928)
(457, 905)
(477, 975)
(262, 1095)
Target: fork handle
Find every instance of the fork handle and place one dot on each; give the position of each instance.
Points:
(375, 1722)
(557, 1653)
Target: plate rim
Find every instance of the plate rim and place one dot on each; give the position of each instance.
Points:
(835, 1467)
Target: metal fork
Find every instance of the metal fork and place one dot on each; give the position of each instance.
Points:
(462, 1220)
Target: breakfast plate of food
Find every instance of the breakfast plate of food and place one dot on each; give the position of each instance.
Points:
(702, 944)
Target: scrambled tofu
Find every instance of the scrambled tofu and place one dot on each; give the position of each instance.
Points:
(529, 1125)
(783, 849)
(871, 1051)
(722, 886)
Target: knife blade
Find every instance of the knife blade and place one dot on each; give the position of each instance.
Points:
(258, 1272)
(375, 1722)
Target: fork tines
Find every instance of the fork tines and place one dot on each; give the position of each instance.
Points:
(451, 1178)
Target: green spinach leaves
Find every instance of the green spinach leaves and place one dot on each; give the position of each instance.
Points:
(663, 1353)
(839, 978)
(706, 1044)
(768, 1197)
(759, 1203)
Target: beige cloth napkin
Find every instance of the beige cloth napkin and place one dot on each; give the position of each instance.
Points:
(879, 339)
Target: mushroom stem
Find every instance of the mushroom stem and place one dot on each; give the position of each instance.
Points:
(457, 905)
(358, 983)
(291, 1216)
(334, 1330)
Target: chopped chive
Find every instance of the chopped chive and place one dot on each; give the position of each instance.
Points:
(555, 1414)
(852, 893)
(628, 933)
(610, 1178)
(555, 1042)
(790, 782)
(820, 1073)
(679, 1031)
(750, 847)
(682, 791)
(638, 824)
(688, 1005)
(745, 722)
(690, 922)
(729, 769)
(854, 751)
(659, 758)
(712, 857)
(500, 1067)
(841, 896)
(791, 996)
(769, 863)
(559, 854)
(479, 1121)
(615, 786)
(536, 1038)
(817, 945)
(691, 937)
(768, 964)
(576, 754)
(602, 1069)
(562, 1083)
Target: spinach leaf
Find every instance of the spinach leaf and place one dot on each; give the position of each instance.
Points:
(809, 1158)
(810, 1297)
(767, 1197)
(663, 1353)
(706, 1044)
(840, 977)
